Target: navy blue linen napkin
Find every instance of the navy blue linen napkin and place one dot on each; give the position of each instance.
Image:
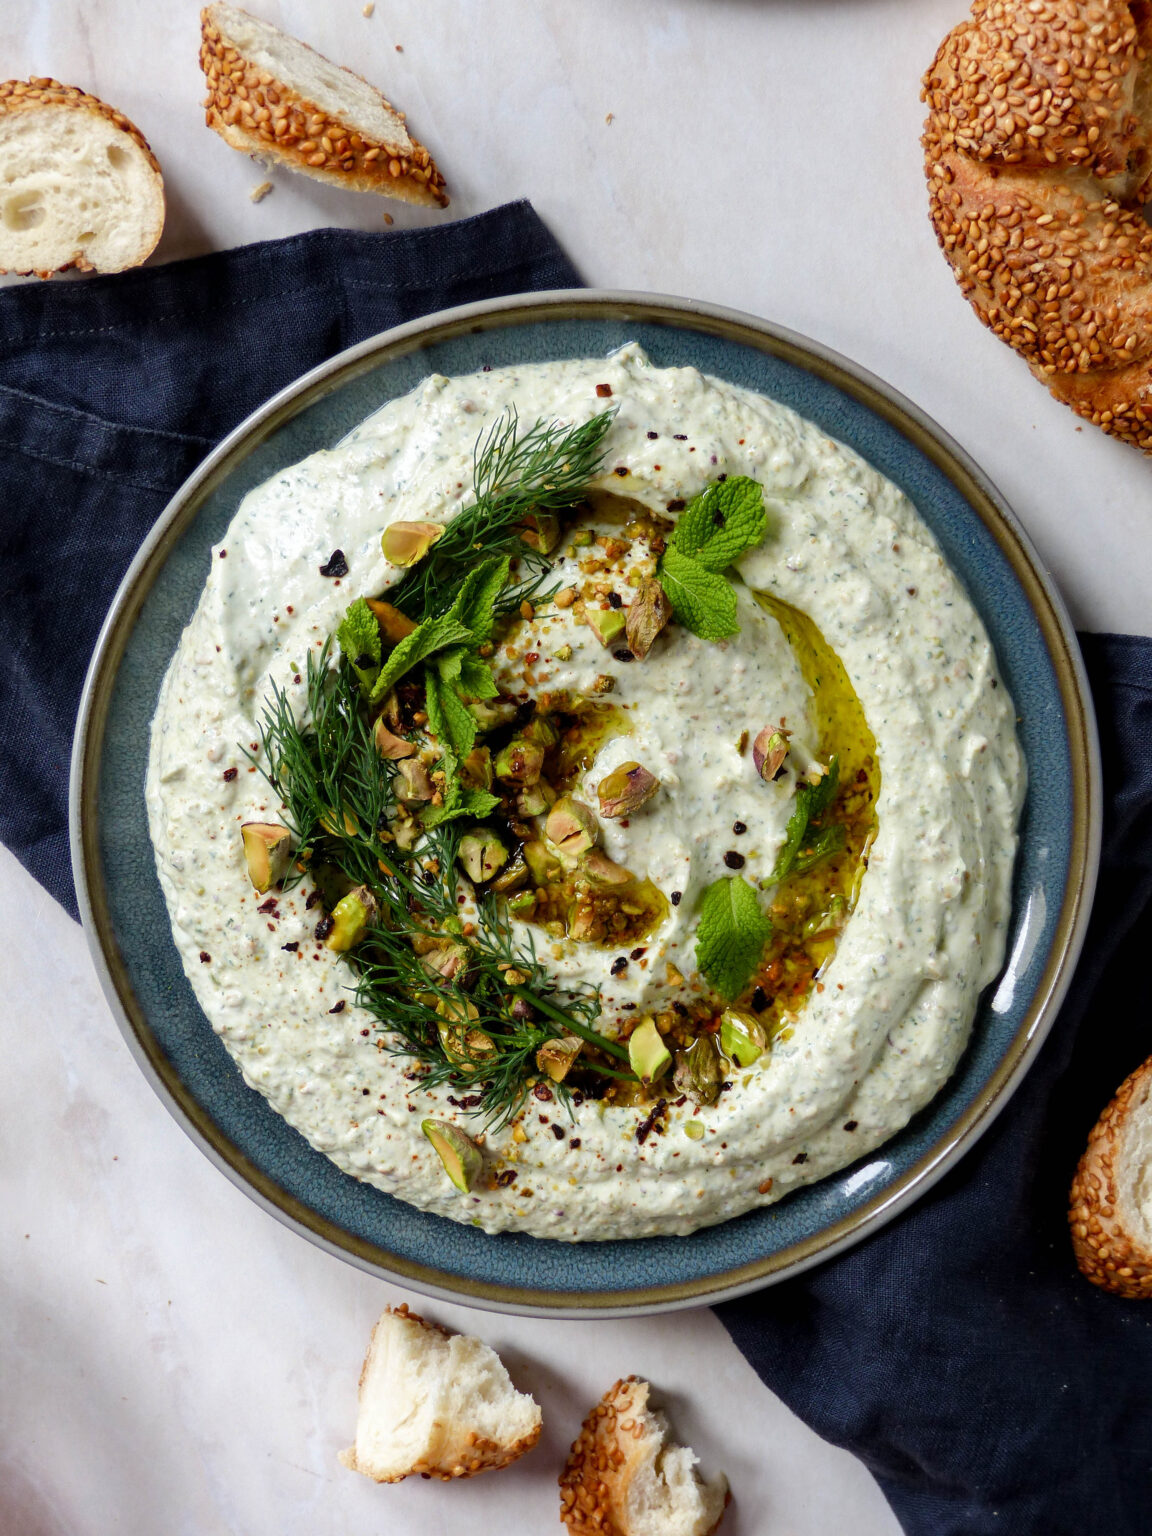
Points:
(113, 389)
(958, 1352)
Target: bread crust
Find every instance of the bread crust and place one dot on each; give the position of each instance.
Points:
(603, 1460)
(1106, 1250)
(260, 115)
(40, 91)
(465, 1453)
(1038, 154)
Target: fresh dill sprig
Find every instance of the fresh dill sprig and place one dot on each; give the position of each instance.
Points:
(514, 474)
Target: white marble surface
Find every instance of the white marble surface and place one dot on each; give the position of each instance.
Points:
(171, 1358)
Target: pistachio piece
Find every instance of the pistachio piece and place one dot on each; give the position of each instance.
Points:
(412, 782)
(445, 959)
(571, 826)
(482, 855)
(522, 904)
(626, 789)
(520, 761)
(541, 730)
(267, 852)
(742, 1037)
(647, 616)
(605, 623)
(405, 543)
(555, 1058)
(460, 1155)
(389, 745)
(544, 864)
(698, 1071)
(598, 869)
(394, 625)
(512, 876)
(351, 917)
(768, 753)
(476, 769)
(489, 713)
(541, 531)
(694, 1129)
(649, 1056)
(465, 1045)
(536, 799)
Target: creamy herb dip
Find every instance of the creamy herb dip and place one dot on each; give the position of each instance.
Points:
(893, 1005)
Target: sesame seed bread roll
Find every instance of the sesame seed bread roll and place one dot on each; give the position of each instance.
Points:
(623, 1478)
(79, 186)
(436, 1403)
(1111, 1198)
(273, 96)
(1038, 153)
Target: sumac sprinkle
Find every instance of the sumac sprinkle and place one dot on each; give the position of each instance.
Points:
(230, 774)
(505, 1177)
(337, 564)
(291, 948)
(639, 952)
(267, 906)
(759, 999)
(325, 926)
(619, 964)
(313, 898)
(603, 390)
(472, 1101)
(733, 859)
(739, 828)
(615, 600)
(543, 1093)
(558, 1132)
(624, 655)
(652, 436)
(801, 1157)
(339, 1008)
(850, 1125)
(651, 1121)
(680, 437)
(205, 957)
(574, 1141)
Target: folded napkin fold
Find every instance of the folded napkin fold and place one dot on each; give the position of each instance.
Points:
(958, 1352)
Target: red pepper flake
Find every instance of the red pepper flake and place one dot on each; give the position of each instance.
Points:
(364, 1032)
(619, 965)
(313, 898)
(542, 1092)
(558, 1132)
(801, 1157)
(230, 774)
(532, 656)
(653, 436)
(621, 470)
(223, 554)
(337, 564)
(604, 390)
(850, 1125)
(205, 957)
(291, 948)
(911, 591)
(504, 1178)
(325, 926)
(651, 1121)
(267, 906)
(615, 600)
(639, 953)
(339, 1008)
(680, 437)
(739, 828)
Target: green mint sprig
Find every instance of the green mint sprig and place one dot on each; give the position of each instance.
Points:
(801, 850)
(719, 525)
(731, 935)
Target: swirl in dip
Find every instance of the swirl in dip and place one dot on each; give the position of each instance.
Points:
(855, 638)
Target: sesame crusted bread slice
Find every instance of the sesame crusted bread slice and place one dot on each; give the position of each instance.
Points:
(273, 96)
(436, 1403)
(622, 1478)
(1111, 1199)
(79, 186)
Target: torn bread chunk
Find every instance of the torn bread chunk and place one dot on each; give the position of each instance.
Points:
(623, 1478)
(79, 186)
(436, 1403)
(1110, 1207)
(273, 96)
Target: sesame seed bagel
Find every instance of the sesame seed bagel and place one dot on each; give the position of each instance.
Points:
(79, 186)
(1038, 153)
(622, 1479)
(273, 96)
(1111, 1198)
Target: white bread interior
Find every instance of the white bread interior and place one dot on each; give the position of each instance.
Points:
(76, 189)
(436, 1403)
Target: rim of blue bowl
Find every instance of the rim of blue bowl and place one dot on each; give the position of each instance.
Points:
(984, 501)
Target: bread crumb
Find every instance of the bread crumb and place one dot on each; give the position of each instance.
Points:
(369, 8)
(610, 118)
(258, 194)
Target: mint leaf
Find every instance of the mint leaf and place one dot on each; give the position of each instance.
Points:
(473, 803)
(731, 935)
(451, 724)
(359, 635)
(427, 638)
(702, 600)
(476, 680)
(812, 800)
(475, 604)
(818, 846)
(723, 522)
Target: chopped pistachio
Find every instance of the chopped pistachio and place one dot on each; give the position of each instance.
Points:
(389, 745)
(599, 869)
(541, 531)
(512, 876)
(571, 827)
(544, 864)
(351, 917)
(541, 730)
(694, 1129)
(406, 543)
(768, 753)
(536, 799)
(522, 903)
(582, 538)
(394, 625)
(698, 1071)
(626, 789)
(520, 761)
(649, 1056)
(555, 1058)
(564, 653)
(482, 855)
(413, 786)
(460, 1155)
(445, 959)
(476, 769)
(742, 1037)
(605, 623)
(267, 852)
(647, 616)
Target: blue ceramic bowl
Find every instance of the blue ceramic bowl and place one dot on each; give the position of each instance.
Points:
(127, 922)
